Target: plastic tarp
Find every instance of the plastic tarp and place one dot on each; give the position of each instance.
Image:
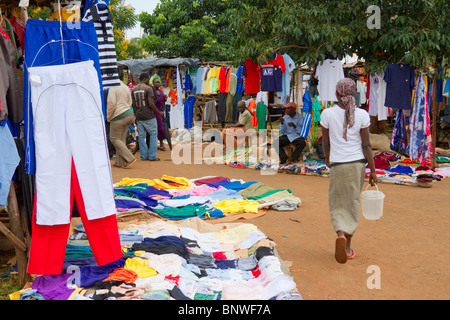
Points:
(137, 66)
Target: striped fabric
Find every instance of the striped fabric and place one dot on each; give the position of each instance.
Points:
(306, 127)
(102, 19)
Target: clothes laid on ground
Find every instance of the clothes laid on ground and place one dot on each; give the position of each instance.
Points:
(207, 197)
(188, 260)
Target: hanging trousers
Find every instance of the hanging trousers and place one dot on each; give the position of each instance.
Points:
(43, 47)
(72, 161)
(48, 243)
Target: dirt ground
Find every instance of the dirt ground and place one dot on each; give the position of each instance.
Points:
(409, 245)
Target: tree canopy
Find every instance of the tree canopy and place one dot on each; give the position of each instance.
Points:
(413, 32)
(187, 28)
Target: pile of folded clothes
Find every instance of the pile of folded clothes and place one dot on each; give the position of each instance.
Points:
(172, 260)
(178, 198)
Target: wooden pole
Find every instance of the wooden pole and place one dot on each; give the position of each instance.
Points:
(434, 112)
(16, 228)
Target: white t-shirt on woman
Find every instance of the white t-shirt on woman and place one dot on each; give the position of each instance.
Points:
(342, 150)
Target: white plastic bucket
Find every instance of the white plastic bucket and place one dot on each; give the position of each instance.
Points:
(372, 203)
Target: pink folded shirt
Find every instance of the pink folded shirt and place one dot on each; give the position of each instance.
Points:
(197, 191)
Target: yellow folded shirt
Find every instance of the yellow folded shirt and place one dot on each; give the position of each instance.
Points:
(139, 266)
(237, 205)
(178, 183)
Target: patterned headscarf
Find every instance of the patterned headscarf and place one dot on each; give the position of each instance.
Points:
(347, 89)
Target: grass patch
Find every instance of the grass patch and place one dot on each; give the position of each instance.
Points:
(8, 284)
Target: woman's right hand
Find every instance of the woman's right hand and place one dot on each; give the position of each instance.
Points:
(373, 179)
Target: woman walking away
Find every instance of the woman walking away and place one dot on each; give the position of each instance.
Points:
(120, 117)
(346, 144)
(160, 105)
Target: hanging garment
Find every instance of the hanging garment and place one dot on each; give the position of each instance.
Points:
(198, 80)
(271, 78)
(223, 75)
(229, 108)
(177, 116)
(189, 112)
(233, 81)
(307, 101)
(278, 60)
(377, 97)
(240, 80)
(222, 106)
(252, 77)
(210, 113)
(9, 161)
(49, 243)
(306, 126)
(400, 79)
(103, 22)
(329, 72)
(286, 78)
(261, 112)
(398, 140)
(43, 47)
(252, 108)
(75, 129)
(419, 126)
(362, 90)
(11, 91)
(316, 107)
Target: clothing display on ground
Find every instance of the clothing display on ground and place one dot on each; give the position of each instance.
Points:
(184, 260)
(178, 198)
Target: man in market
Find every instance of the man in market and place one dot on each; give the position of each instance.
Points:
(145, 110)
(290, 128)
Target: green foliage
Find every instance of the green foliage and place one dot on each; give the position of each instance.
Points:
(124, 18)
(123, 15)
(199, 28)
(39, 13)
(414, 32)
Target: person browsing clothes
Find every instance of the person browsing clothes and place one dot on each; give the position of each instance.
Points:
(120, 116)
(145, 111)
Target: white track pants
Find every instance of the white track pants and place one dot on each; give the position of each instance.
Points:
(69, 123)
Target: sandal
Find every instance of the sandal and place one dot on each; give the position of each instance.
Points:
(351, 255)
(130, 163)
(340, 253)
